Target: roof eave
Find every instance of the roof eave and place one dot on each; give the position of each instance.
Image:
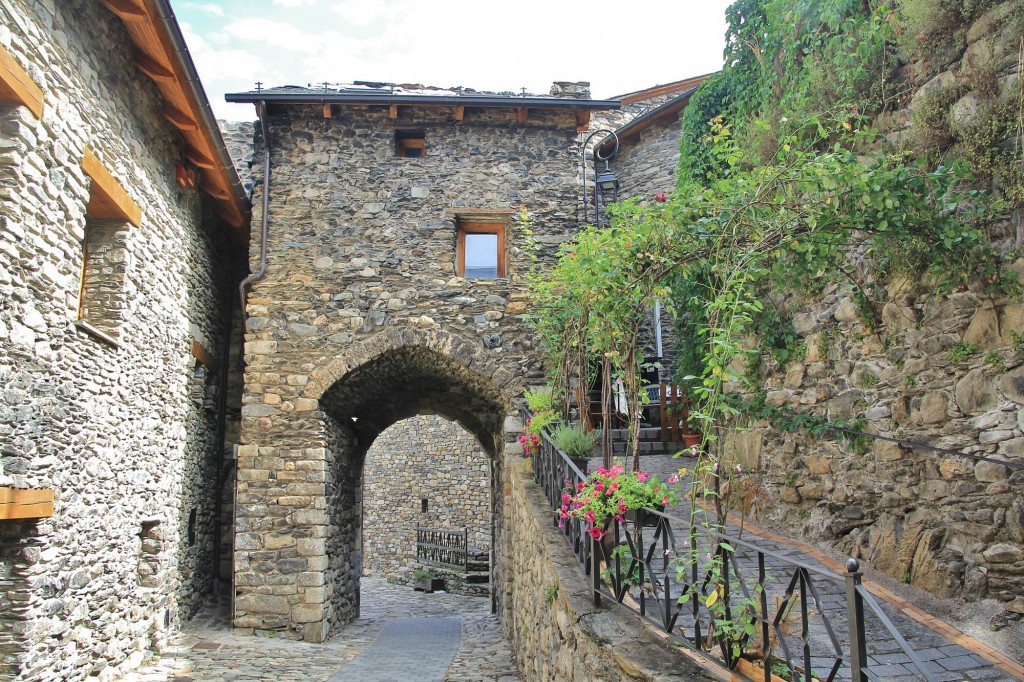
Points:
(420, 100)
(162, 55)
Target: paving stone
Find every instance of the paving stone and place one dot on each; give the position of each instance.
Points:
(207, 649)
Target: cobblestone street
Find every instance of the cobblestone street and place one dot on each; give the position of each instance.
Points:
(206, 649)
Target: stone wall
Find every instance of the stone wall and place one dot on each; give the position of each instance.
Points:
(362, 322)
(547, 611)
(648, 166)
(121, 432)
(429, 459)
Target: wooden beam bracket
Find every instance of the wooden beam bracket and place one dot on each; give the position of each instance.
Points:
(26, 503)
(107, 198)
(16, 85)
(522, 114)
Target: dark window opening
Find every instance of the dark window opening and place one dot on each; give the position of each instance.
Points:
(192, 528)
(423, 506)
(410, 144)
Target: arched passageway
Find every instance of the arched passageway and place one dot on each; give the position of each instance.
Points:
(427, 476)
(298, 545)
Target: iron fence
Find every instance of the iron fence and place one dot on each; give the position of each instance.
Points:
(446, 548)
(764, 603)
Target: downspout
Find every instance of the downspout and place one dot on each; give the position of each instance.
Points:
(261, 111)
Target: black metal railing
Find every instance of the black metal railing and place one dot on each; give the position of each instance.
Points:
(447, 548)
(786, 612)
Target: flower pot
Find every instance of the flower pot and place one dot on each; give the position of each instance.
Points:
(649, 520)
(429, 585)
(691, 439)
(581, 463)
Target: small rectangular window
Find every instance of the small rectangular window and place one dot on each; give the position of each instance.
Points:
(410, 144)
(481, 250)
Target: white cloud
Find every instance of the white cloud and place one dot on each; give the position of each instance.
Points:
(294, 3)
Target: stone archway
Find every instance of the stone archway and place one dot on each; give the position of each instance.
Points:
(297, 530)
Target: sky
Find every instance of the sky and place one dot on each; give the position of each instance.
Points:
(620, 47)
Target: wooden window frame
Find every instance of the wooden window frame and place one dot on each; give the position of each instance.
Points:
(410, 139)
(472, 227)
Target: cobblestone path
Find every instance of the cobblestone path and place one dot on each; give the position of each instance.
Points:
(207, 650)
(949, 655)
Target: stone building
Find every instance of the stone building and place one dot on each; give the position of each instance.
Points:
(121, 221)
(391, 265)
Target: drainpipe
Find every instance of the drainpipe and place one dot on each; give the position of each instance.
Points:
(261, 109)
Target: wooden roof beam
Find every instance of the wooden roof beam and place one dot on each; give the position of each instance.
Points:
(154, 69)
(180, 119)
(460, 113)
(393, 111)
(199, 158)
(582, 119)
(522, 114)
(107, 198)
(126, 10)
(16, 85)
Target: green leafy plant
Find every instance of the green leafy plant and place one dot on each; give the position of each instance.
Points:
(551, 593)
(994, 358)
(791, 479)
(529, 439)
(420, 574)
(539, 400)
(961, 351)
(573, 440)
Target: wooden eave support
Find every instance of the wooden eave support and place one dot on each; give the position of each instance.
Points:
(179, 119)
(328, 113)
(393, 111)
(582, 119)
(107, 198)
(154, 69)
(17, 85)
(204, 356)
(126, 10)
(522, 114)
(199, 158)
(460, 112)
(26, 503)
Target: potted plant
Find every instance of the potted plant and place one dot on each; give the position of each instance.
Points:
(530, 437)
(424, 581)
(611, 493)
(575, 442)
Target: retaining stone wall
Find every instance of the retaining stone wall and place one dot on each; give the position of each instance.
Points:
(115, 431)
(555, 631)
(423, 458)
(948, 524)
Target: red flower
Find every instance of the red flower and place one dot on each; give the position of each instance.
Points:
(661, 197)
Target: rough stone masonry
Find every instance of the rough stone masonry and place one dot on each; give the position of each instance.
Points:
(363, 318)
(102, 399)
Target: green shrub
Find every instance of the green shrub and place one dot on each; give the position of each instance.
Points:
(539, 400)
(573, 440)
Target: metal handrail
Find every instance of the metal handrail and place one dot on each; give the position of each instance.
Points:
(653, 563)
